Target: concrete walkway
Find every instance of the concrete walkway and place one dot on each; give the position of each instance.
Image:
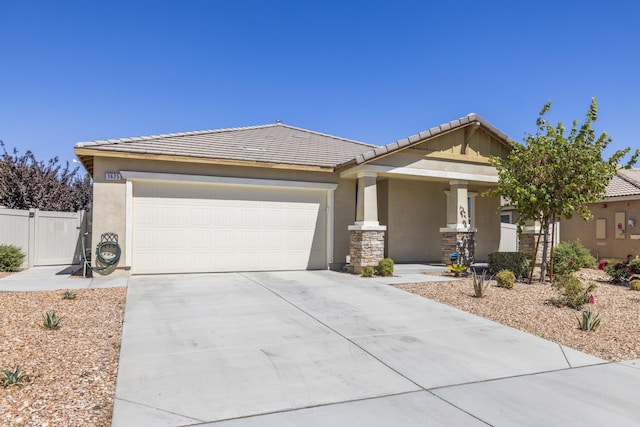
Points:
(52, 278)
(318, 348)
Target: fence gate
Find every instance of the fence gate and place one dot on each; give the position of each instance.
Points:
(48, 238)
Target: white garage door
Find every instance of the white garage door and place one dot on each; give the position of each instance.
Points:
(188, 228)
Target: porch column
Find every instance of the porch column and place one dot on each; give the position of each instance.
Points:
(366, 243)
(458, 236)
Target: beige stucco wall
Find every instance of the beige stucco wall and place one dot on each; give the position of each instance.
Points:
(610, 247)
(413, 212)
(344, 216)
(487, 221)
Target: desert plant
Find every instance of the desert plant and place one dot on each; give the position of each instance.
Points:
(634, 285)
(13, 377)
(572, 293)
(516, 262)
(11, 257)
(589, 321)
(69, 295)
(457, 269)
(50, 320)
(479, 286)
(367, 271)
(505, 279)
(569, 257)
(385, 267)
(617, 271)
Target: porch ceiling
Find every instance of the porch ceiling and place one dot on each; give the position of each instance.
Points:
(473, 174)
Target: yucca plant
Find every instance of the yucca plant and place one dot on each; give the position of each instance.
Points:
(50, 320)
(479, 287)
(457, 269)
(589, 321)
(69, 295)
(13, 377)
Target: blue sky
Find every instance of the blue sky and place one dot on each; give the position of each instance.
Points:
(371, 71)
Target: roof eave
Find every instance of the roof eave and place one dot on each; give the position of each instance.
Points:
(86, 156)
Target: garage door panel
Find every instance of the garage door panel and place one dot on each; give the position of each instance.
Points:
(200, 228)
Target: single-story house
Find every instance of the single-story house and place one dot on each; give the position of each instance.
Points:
(277, 197)
(614, 230)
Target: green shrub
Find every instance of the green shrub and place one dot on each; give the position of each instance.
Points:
(634, 285)
(617, 272)
(50, 320)
(367, 271)
(572, 293)
(457, 269)
(506, 279)
(516, 262)
(11, 257)
(13, 377)
(385, 267)
(569, 257)
(589, 321)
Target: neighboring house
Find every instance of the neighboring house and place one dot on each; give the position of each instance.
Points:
(277, 197)
(614, 231)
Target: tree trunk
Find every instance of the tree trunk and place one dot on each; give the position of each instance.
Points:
(553, 241)
(535, 256)
(545, 249)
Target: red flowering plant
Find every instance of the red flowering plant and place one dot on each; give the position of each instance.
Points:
(620, 272)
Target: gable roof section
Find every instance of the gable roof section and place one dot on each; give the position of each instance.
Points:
(275, 144)
(432, 133)
(625, 183)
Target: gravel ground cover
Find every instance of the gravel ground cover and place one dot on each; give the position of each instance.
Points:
(529, 308)
(73, 369)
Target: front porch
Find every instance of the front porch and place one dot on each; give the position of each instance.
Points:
(418, 200)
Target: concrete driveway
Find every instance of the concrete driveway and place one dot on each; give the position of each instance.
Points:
(318, 348)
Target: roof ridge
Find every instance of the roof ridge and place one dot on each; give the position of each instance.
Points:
(328, 135)
(202, 132)
(627, 178)
(170, 135)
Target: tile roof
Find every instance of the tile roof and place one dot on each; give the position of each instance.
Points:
(625, 183)
(273, 143)
(433, 132)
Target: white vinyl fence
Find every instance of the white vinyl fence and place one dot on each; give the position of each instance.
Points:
(48, 238)
(508, 237)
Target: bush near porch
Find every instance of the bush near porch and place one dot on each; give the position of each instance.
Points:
(516, 262)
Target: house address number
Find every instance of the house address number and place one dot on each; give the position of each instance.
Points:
(113, 176)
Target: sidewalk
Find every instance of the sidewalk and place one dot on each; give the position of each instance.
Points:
(51, 278)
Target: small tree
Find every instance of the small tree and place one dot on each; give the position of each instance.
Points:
(553, 175)
(26, 183)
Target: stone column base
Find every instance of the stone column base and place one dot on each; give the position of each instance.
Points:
(461, 242)
(366, 247)
(527, 245)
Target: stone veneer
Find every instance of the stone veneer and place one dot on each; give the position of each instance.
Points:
(527, 245)
(449, 245)
(366, 247)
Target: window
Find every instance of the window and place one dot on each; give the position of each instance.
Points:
(506, 217)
